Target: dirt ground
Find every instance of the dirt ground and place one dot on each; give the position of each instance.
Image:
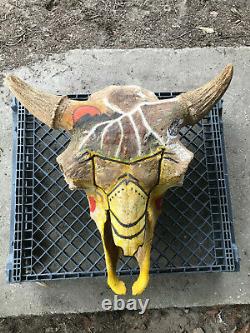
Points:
(196, 320)
(33, 29)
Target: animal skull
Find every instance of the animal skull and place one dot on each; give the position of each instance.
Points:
(124, 153)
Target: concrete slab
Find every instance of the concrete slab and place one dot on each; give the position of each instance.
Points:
(81, 71)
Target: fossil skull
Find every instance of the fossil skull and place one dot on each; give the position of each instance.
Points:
(124, 153)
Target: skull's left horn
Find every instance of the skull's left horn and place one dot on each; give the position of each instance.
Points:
(50, 109)
(195, 104)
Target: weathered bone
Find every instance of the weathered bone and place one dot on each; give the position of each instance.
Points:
(125, 153)
(197, 103)
(49, 109)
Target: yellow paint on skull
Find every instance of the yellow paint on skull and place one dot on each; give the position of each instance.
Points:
(127, 204)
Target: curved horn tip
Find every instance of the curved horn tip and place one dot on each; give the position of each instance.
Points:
(224, 77)
(195, 104)
(229, 69)
(12, 81)
(8, 79)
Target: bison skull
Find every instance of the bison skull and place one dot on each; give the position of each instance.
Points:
(124, 153)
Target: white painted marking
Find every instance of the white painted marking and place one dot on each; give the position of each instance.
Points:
(121, 138)
(113, 107)
(92, 131)
(136, 133)
(104, 133)
(149, 128)
(129, 114)
(140, 94)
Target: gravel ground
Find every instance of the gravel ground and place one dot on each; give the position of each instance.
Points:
(196, 320)
(32, 29)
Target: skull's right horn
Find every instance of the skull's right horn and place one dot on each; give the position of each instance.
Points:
(195, 104)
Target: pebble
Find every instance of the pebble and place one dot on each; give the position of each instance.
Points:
(214, 13)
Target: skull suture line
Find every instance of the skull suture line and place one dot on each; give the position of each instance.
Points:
(125, 153)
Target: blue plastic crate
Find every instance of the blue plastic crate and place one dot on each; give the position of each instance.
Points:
(53, 236)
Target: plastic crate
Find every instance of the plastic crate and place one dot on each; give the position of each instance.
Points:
(53, 236)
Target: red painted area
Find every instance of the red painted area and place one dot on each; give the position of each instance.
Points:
(92, 204)
(84, 110)
(158, 203)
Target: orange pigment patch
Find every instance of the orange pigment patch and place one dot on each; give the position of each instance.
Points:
(84, 110)
(92, 204)
(67, 120)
